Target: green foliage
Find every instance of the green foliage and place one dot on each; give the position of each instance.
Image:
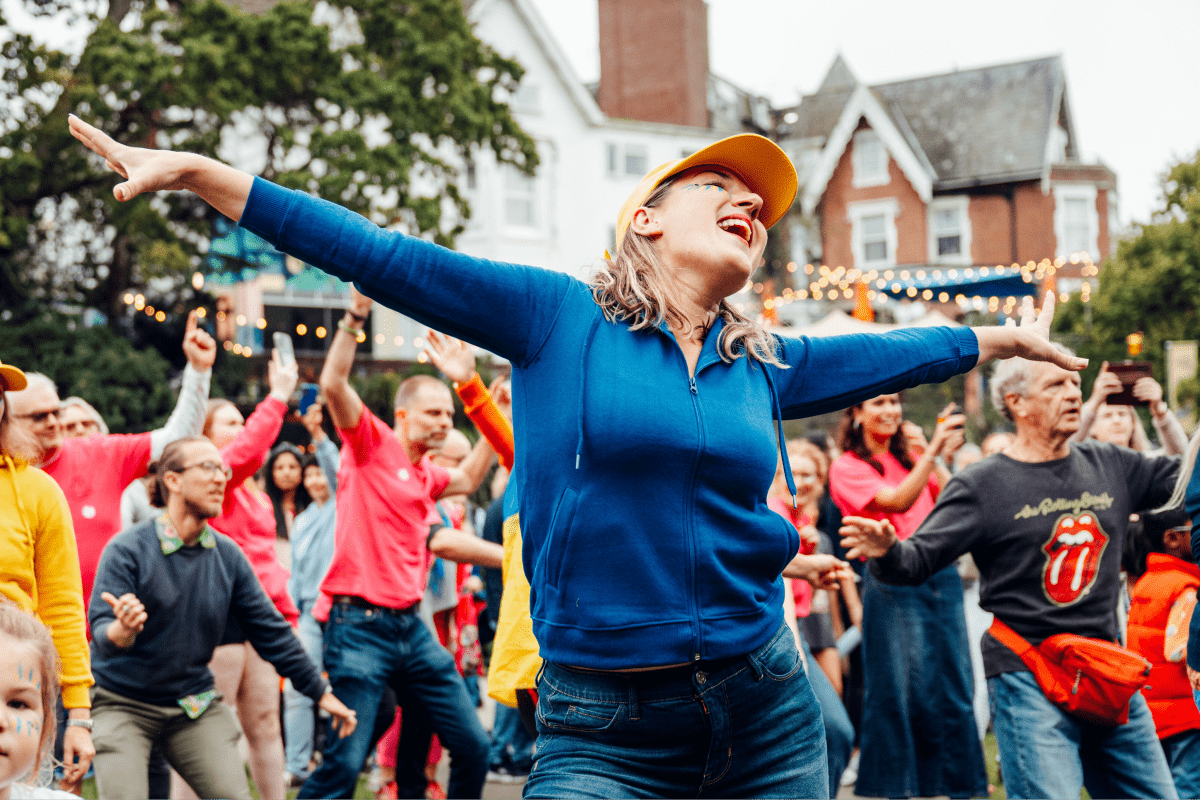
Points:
(352, 108)
(129, 387)
(1151, 285)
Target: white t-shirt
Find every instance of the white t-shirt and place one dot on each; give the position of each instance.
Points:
(19, 791)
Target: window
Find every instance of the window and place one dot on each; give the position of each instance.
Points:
(520, 198)
(614, 156)
(1077, 227)
(636, 161)
(873, 232)
(870, 160)
(1076, 221)
(527, 98)
(949, 230)
(874, 238)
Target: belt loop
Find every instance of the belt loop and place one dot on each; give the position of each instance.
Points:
(634, 711)
(754, 666)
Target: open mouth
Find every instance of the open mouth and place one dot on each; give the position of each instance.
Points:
(739, 226)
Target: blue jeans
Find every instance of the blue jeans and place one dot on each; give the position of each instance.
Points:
(366, 649)
(512, 746)
(298, 719)
(1045, 752)
(839, 730)
(1183, 757)
(739, 727)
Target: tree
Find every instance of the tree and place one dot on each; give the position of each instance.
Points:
(129, 387)
(372, 104)
(1151, 285)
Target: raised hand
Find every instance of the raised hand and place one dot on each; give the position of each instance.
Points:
(1030, 339)
(360, 304)
(949, 435)
(130, 618)
(501, 391)
(282, 379)
(144, 170)
(867, 538)
(1106, 383)
(220, 185)
(198, 346)
(453, 357)
(313, 419)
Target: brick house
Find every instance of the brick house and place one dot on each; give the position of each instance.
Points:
(973, 168)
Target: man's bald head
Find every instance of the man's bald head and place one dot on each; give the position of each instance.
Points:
(411, 388)
(35, 408)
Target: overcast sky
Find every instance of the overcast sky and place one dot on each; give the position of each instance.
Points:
(1133, 74)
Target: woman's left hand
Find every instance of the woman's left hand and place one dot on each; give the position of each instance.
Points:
(78, 752)
(1031, 339)
(821, 570)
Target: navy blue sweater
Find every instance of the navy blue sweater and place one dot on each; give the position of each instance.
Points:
(188, 595)
(646, 533)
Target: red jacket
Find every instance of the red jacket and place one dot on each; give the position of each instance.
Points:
(1169, 694)
(247, 515)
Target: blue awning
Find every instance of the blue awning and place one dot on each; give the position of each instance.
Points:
(998, 282)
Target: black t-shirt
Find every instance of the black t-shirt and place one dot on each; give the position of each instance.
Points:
(1047, 538)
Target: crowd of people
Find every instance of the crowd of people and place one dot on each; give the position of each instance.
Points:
(675, 599)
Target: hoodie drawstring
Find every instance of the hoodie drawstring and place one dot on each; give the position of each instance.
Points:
(777, 414)
(583, 352)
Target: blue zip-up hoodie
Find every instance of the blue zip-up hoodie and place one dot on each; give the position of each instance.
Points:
(646, 533)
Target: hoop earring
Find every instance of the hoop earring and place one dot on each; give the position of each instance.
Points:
(856, 424)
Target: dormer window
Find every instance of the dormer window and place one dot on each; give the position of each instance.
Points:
(870, 160)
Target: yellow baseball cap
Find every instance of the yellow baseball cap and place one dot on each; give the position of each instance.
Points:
(12, 378)
(757, 160)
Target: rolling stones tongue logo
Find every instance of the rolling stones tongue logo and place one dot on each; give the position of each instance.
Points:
(1072, 557)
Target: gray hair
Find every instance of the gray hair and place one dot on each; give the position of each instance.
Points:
(1012, 375)
(88, 408)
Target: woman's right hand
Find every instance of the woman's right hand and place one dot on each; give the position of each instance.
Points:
(949, 435)
(867, 538)
(282, 379)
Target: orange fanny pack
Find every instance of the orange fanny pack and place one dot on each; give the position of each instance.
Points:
(1088, 678)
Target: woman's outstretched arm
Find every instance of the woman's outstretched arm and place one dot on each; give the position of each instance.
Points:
(508, 309)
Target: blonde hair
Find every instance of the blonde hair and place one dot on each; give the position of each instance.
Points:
(21, 626)
(636, 287)
(15, 441)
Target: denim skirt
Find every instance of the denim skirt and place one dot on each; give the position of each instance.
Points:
(918, 735)
(748, 726)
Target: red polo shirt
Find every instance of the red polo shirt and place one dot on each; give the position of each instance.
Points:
(385, 505)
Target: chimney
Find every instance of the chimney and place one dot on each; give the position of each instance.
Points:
(654, 60)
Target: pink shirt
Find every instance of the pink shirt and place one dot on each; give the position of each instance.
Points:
(385, 506)
(247, 516)
(93, 472)
(802, 591)
(853, 484)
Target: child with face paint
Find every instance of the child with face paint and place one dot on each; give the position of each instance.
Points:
(29, 689)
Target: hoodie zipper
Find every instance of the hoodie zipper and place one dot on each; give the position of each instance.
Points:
(689, 521)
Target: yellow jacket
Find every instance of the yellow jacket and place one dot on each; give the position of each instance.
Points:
(515, 660)
(39, 568)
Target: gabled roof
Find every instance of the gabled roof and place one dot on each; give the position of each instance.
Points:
(969, 127)
(558, 60)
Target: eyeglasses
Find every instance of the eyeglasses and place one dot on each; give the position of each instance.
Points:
(209, 468)
(1180, 529)
(39, 417)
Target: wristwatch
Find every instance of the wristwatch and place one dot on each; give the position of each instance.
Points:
(86, 724)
